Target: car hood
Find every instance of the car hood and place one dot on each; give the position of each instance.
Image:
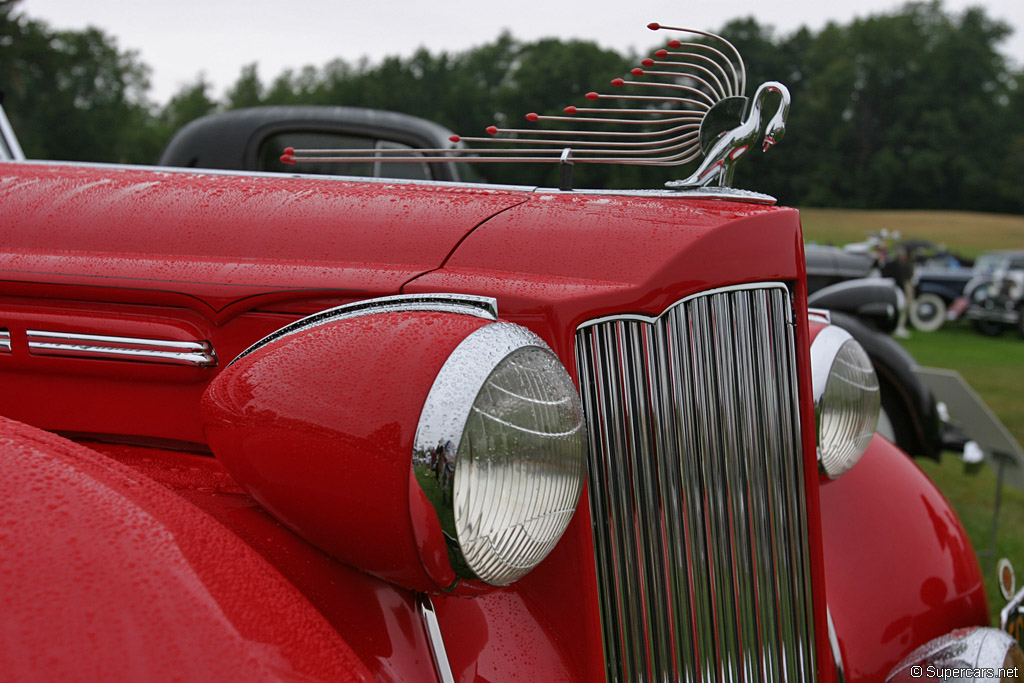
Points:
(223, 241)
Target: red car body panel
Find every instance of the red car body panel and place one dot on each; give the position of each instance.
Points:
(892, 586)
(220, 244)
(108, 561)
(229, 259)
(182, 256)
(305, 429)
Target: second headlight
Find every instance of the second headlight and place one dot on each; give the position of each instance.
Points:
(846, 399)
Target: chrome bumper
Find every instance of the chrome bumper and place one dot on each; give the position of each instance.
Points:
(964, 655)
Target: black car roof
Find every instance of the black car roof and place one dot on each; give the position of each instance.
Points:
(228, 139)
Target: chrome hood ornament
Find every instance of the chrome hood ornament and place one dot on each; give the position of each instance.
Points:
(685, 101)
(727, 147)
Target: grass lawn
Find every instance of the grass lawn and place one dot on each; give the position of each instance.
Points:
(961, 231)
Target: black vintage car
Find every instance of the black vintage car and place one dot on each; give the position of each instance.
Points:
(994, 297)
(252, 139)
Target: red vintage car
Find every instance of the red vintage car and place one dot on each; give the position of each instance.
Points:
(321, 428)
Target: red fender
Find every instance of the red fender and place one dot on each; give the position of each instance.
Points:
(108, 575)
(899, 568)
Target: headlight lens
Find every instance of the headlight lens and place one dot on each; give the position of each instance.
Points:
(846, 400)
(506, 419)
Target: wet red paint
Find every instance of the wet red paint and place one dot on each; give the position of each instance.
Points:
(108, 575)
(220, 243)
(229, 259)
(899, 566)
(318, 426)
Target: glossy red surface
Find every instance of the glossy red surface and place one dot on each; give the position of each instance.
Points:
(221, 243)
(229, 259)
(107, 575)
(184, 256)
(899, 567)
(807, 330)
(318, 426)
(561, 260)
(378, 620)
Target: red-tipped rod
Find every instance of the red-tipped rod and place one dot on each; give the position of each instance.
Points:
(742, 78)
(619, 82)
(572, 111)
(648, 98)
(686, 140)
(736, 81)
(692, 124)
(718, 91)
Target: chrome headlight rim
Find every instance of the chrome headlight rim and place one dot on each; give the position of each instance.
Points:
(446, 414)
(825, 350)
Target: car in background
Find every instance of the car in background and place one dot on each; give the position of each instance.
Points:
(936, 289)
(252, 139)
(994, 297)
(992, 291)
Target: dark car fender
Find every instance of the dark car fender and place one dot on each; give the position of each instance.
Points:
(874, 300)
(948, 290)
(907, 401)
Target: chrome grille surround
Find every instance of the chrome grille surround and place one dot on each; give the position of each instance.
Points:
(697, 491)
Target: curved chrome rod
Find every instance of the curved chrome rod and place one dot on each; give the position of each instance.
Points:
(720, 90)
(586, 143)
(689, 123)
(718, 93)
(619, 82)
(743, 70)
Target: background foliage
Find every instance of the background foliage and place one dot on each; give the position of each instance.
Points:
(912, 109)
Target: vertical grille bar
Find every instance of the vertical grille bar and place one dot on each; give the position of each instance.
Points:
(697, 495)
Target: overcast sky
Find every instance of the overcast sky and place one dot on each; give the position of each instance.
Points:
(181, 39)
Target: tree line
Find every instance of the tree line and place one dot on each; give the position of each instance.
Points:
(916, 108)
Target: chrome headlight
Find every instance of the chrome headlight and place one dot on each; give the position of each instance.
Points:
(846, 399)
(500, 452)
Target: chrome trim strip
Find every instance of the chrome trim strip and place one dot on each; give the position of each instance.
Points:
(10, 149)
(697, 489)
(466, 304)
(819, 315)
(712, 192)
(105, 347)
(447, 409)
(706, 192)
(5, 341)
(837, 655)
(653, 319)
(436, 641)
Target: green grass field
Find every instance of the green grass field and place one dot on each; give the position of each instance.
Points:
(993, 366)
(961, 231)
(995, 369)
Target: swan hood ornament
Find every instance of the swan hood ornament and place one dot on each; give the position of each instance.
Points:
(684, 102)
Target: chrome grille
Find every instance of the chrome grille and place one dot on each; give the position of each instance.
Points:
(696, 490)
